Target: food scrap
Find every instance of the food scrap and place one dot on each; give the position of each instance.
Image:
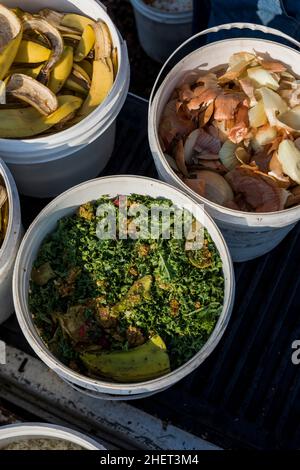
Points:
(125, 309)
(57, 69)
(233, 135)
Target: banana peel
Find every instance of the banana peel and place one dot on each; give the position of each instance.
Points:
(18, 12)
(143, 363)
(78, 81)
(31, 72)
(74, 37)
(102, 82)
(79, 72)
(87, 66)
(28, 122)
(32, 92)
(61, 71)
(86, 44)
(73, 84)
(32, 53)
(72, 20)
(11, 40)
(32, 45)
(115, 61)
(103, 42)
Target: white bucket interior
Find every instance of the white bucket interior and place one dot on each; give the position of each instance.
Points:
(242, 229)
(45, 223)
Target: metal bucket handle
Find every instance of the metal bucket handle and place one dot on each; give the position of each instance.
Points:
(216, 29)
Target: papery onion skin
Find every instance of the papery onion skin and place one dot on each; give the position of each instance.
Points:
(212, 186)
(241, 119)
(289, 157)
(260, 195)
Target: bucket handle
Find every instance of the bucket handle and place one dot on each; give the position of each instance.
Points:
(216, 29)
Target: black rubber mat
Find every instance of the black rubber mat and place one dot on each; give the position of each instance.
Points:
(247, 394)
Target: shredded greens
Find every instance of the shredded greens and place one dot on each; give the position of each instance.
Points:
(91, 295)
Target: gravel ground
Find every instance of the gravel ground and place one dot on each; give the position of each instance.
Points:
(143, 69)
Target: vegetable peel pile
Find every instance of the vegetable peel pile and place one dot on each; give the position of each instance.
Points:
(233, 136)
(126, 310)
(47, 57)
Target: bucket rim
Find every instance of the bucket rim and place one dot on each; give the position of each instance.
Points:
(29, 330)
(14, 216)
(253, 217)
(29, 431)
(162, 16)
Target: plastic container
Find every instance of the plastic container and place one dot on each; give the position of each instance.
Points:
(248, 235)
(46, 166)
(160, 32)
(46, 222)
(21, 432)
(10, 246)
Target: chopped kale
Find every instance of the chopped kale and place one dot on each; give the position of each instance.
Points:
(124, 291)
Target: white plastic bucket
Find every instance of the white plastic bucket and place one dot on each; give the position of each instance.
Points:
(28, 431)
(47, 166)
(10, 246)
(46, 222)
(248, 235)
(161, 32)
